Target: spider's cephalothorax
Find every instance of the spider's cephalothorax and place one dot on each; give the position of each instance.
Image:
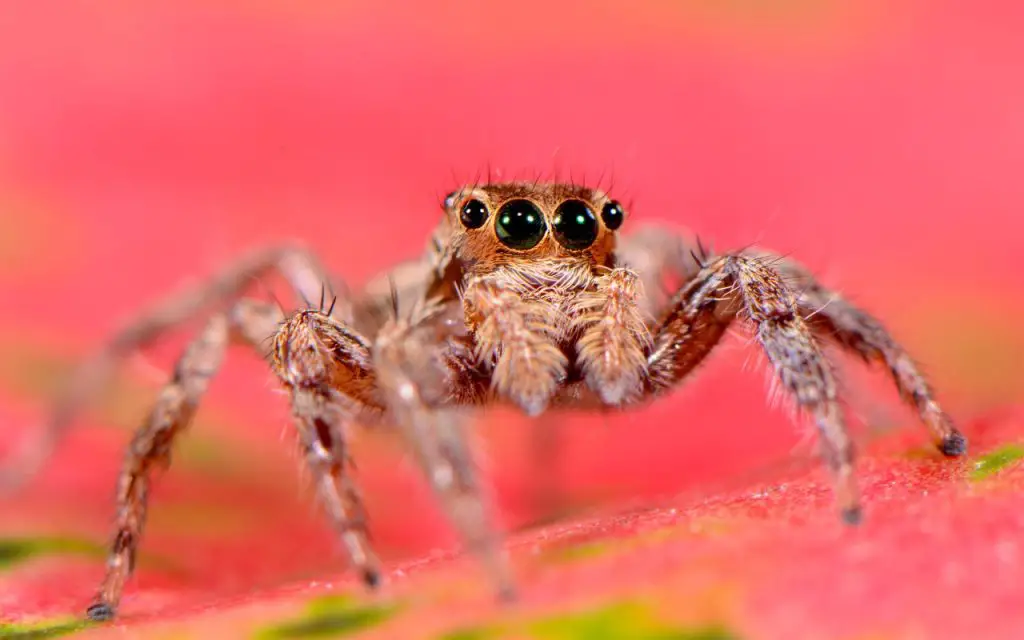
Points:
(525, 295)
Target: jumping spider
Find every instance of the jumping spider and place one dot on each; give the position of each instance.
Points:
(525, 295)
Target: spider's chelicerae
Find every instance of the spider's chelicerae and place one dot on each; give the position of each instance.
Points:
(527, 295)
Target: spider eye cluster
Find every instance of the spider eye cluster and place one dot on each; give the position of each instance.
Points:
(520, 224)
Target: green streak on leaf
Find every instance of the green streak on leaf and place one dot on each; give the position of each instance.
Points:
(17, 550)
(620, 620)
(37, 371)
(41, 630)
(922, 453)
(329, 617)
(579, 552)
(994, 461)
(475, 633)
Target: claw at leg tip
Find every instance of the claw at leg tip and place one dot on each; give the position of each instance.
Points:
(852, 516)
(371, 578)
(953, 445)
(100, 612)
(507, 594)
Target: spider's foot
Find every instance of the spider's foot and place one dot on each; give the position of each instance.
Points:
(953, 445)
(371, 577)
(507, 593)
(100, 612)
(852, 516)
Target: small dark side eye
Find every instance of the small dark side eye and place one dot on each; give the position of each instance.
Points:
(473, 214)
(520, 224)
(574, 225)
(612, 215)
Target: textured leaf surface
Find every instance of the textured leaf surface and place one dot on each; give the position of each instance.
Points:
(142, 145)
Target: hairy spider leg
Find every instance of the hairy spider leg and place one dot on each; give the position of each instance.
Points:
(328, 371)
(151, 447)
(829, 314)
(417, 373)
(733, 286)
(654, 251)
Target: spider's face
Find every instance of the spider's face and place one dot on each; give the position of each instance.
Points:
(517, 222)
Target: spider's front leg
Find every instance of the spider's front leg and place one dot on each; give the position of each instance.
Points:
(424, 364)
(830, 315)
(328, 371)
(656, 252)
(734, 285)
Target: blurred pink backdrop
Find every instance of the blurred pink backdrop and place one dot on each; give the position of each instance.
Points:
(142, 145)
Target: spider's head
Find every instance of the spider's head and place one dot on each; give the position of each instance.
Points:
(517, 222)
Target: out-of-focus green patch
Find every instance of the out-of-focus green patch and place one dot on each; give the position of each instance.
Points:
(41, 630)
(610, 622)
(922, 453)
(475, 633)
(14, 551)
(996, 460)
(17, 550)
(28, 246)
(621, 620)
(978, 353)
(329, 617)
(699, 526)
(32, 371)
(195, 520)
(572, 553)
(703, 525)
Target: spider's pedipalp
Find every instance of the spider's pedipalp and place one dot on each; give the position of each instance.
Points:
(614, 338)
(732, 285)
(517, 339)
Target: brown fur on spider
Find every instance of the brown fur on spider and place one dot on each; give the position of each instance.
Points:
(525, 295)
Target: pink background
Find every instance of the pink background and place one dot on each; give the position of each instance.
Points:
(142, 145)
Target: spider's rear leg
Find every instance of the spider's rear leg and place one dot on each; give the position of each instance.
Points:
(150, 448)
(730, 286)
(420, 368)
(857, 331)
(299, 268)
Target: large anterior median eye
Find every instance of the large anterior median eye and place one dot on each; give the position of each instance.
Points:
(575, 225)
(520, 224)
